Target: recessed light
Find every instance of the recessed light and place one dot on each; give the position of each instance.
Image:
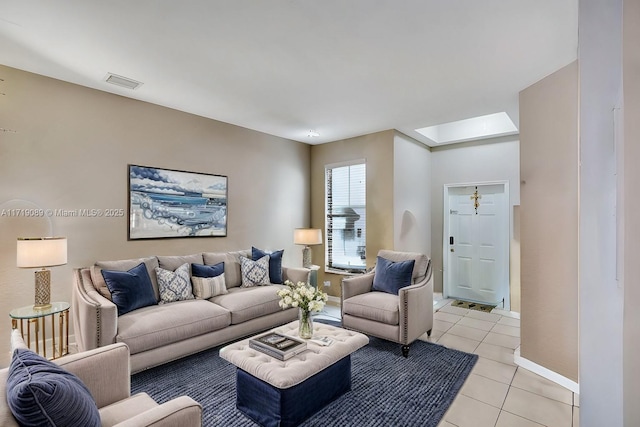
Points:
(481, 127)
(122, 81)
(313, 134)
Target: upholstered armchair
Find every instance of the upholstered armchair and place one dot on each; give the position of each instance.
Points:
(394, 301)
(105, 374)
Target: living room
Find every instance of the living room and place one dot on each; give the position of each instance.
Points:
(67, 147)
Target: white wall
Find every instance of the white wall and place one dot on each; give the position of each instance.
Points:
(601, 299)
(492, 160)
(630, 172)
(411, 195)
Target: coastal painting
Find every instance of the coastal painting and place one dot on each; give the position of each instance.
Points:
(171, 203)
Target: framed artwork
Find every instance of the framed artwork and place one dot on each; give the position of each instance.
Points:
(166, 203)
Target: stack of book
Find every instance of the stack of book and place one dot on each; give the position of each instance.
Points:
(282, 347)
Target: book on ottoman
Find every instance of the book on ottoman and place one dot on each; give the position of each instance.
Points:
(282, 347)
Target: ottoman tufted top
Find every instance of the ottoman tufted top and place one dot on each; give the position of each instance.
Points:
(287, 373)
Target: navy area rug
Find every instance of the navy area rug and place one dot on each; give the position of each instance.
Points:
(387, 389)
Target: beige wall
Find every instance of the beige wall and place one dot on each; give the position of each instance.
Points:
(377, 150)
(491, 160)
(549, 222)
(71, 149)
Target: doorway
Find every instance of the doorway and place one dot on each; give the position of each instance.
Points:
(476, 243)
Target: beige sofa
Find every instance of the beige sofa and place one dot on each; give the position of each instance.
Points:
(105, 372)
(160, 333)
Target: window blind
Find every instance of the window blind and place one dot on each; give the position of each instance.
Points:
(346, 217)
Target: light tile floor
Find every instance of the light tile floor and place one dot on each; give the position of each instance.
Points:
(497, 393)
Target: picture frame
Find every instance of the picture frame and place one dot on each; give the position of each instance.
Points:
(168, 203)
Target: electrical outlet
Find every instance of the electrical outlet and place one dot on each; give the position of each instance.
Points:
(327, 283)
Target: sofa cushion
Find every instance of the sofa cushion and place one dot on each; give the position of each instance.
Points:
(160, 325)
(173, 262)
(232, 274)
(275, 263)
(250, 303)
(391, 276)
(254, 273)
(207, 287)
(378, 306)
(123, 265)
(41, 393)
(174, 285)
(200, 270)
(130, 289)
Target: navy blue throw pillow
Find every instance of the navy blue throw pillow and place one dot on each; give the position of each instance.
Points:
(275, 263)
(391, 276)
(41, 393)
(130, 289)
(200, 270)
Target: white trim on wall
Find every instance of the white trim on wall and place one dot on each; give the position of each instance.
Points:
(545, 373)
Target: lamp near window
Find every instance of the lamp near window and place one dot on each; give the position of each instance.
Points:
(307, 237)
(41, 252)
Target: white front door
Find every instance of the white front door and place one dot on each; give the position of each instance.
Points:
(477, 243)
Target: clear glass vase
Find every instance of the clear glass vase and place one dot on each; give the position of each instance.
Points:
(305, 326)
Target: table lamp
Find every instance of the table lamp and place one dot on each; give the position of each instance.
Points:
(41, 252)
(307, 237)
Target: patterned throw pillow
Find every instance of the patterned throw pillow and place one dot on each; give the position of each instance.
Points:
(207, 287)
(254, 273)
(174, 285)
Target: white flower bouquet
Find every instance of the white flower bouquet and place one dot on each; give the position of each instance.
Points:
(303, 296)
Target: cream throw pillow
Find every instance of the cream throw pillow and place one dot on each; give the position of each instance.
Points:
(207, 287)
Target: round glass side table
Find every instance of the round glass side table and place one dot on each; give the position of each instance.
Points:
(30, 316)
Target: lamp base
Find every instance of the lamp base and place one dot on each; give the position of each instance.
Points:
(43, 290)
(306, 257)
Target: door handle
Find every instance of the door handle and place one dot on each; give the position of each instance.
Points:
(451, 240)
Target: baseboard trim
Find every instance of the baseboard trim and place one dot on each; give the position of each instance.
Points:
(546, 373)
(335, 301)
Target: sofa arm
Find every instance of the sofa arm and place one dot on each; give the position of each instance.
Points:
(95, 318)
(356, 285)
(296, 274)
(416, 310)
(104, 370)
(182, 411)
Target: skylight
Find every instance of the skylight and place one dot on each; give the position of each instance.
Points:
(481, 127)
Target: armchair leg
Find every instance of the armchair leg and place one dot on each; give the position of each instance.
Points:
(429, 332)
(405, 350)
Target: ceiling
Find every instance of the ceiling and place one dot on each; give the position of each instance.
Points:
(285, 67)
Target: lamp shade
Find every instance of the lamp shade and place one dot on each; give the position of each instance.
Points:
(307, 236)
(41, 251)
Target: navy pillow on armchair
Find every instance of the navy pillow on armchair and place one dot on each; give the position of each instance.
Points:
(41, 393)
(390, 276)
(130, 289)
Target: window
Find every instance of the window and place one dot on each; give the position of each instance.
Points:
(346, 216)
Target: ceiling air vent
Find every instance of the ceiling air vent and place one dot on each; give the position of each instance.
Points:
(122, 81)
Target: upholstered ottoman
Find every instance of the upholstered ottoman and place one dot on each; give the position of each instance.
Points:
(272, 392)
